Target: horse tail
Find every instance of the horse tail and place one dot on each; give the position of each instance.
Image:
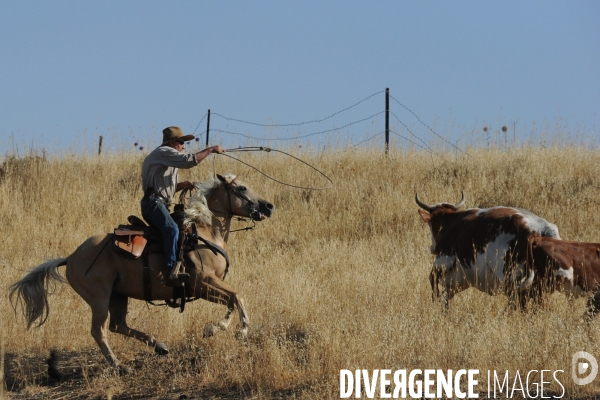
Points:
(31, 292)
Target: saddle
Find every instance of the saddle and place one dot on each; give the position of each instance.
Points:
(138, 239)
(133, 240)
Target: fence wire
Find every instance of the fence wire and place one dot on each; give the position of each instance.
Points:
(418, 142)
(397, 134)
(424, 124)
(367, 139)
(427, 148)
(201, 119)
(424, 146)
(301, 136)
(298, 123)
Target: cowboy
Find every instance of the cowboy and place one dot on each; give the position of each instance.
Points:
(159, 182)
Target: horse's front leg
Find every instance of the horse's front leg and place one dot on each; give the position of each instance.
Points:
(217, 291)
(226, 321)
(118, 314)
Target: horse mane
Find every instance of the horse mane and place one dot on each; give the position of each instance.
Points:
(196, 210)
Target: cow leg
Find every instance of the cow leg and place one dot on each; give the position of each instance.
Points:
(516, 298)
(593, 305)
(433, 281)
(118, 313)
(217, 291)
(436, 294)
(535, 293)
(454, 283)
(99, 332)
(519, 298)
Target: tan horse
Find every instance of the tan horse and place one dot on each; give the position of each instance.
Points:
(106, 281)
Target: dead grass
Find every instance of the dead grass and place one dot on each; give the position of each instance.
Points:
(337, 279)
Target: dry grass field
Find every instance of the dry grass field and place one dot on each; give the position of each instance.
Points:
(336, 279)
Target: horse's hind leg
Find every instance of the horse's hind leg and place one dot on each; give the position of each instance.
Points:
(100, 333)
(118, 323)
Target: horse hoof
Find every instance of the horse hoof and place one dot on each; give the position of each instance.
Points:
(242, 334)
(210, 330)
(124, 370)
(161, 349)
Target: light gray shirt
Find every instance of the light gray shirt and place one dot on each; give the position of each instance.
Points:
(159, 170)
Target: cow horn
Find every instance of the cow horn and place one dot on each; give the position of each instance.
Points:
(423, 205)
(461, 202)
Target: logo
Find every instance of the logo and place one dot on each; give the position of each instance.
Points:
(580, 368)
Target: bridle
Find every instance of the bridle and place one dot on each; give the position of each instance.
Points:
(253, 210)
(230, 188)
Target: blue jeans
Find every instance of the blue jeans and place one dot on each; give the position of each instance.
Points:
(156, 213)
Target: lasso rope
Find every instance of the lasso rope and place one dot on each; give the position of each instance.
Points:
(183, 196)
(268, 150)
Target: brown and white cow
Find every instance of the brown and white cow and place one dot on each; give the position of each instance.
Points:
(569, 267)
(482, 248)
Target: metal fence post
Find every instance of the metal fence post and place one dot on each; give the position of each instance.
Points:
(100, 146)
(387, 120)
(207, 127)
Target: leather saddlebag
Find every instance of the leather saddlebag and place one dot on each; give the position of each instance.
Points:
(128, 243)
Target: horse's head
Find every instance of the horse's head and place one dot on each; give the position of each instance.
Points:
(228, 196)
(239, 200)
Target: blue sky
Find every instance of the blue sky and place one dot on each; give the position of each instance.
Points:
(71, 71)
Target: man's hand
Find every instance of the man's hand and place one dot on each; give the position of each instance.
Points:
(217, 149)
(201, 155)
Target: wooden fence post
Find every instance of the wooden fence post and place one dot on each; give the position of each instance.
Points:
(100, 146)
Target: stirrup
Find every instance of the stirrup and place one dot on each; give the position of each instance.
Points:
(179, 279)
(175, 278)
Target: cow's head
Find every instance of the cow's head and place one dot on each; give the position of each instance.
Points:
(432, 214)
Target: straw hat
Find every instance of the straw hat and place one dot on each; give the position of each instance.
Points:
(174, 133)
